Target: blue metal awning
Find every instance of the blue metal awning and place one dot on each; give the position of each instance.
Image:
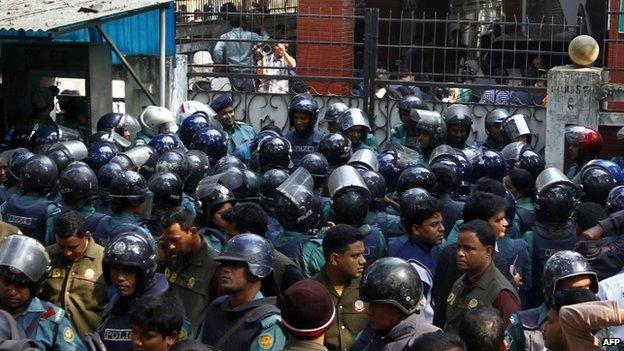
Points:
(132, 24)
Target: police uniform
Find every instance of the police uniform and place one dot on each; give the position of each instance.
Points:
(374, 242)
(398, 338)
(214, 237)
(189, 279)
(32, 214)
(303, 144)
(49, 327)
(351, 316)
(524, 329)
(259, 331)
(525, 213)
(78, 287)
(371, 141)
(189, 203)
(398, 136)
(451, 212)
(239, 135)
(389, 224)
(465, 296)
(141, 139)
(118, 219)
(305, 250)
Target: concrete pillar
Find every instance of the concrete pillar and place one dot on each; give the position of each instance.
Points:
(573, 98)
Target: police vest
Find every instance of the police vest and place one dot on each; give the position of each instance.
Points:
(30, 219)
(373, 241)
(274, 228)
(219, 320)
(527, 219)
(3, 195)
(463, 298)
(293, 248)
(303, 144)
(545, 246)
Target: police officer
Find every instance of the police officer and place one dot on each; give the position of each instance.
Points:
(521, 184)
(493, 129)
(167, 190)
(582, 145)
(129, 265)
(166, 141)
(405, 133)
(378, 214)
(76, 282)
(32, 211)
(270, 180)
(318, 166)
(393, 290)
(123, 128)
(331, 118)
(15, 161)
(482, 284)
(239, 132)
(296, 209)
(192, 124)
(431, 132)
(458, 118)
(355, 125)
(213, 142)
(243, 318)
(554, 229)
(66, 152)
(304, 137)
(100, 153)
(213, 199)
(343, 246)
(447, 173)
(129, 192)
(191, 265)
(248, 151)
(176, 161)
(78, 186)
(350, 199)
(596, 183)
(155, 120)
(563, 270)
(336, 148)
(516, 128)
(24, 266)
(199, 165)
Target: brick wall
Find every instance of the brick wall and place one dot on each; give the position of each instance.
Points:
(333, 57)
(615, 50)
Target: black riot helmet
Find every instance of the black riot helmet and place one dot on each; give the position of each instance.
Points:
(615, 200)
(131, 249)
(416, 177)
(229, 161)
(17, 161)
(251, 249)
(199, 164)
(318, 166)
(213, 191)
(249, 189)
(270, 180)
(304, 103)
(596, 183)
(167, 189)
(394, 281)
(24, 260)
(129, 185)
(458, 115)
(173, 161)
(375, 183)
(78, 184)
(107, 173)
(100, 153)
(433, 124)
(532, 162)
(274, 152)
(555, 204)
(66, 152)
(349, 195)
(149, 167)
(354, 118)
(336, 148)
(39, 174)
(296, 208)
(495, 117)
(409, 102)
(412, 195)
(566, 264)
(334, 111)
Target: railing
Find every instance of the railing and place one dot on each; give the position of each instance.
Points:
(263, 6)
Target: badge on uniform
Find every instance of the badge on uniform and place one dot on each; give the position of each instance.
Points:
(68, 334)
(56, 273)
(173, 277)
(265, 341)
(190, 283)
(358, 306)
(89, 273)
(451, 299)
(473, 303)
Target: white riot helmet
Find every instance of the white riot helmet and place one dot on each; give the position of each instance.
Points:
(153, 117)
(188, 108)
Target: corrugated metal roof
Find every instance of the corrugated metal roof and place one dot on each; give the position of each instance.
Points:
(62, 15)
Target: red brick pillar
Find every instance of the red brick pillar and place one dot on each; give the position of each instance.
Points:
(615, 53)
(323, 47)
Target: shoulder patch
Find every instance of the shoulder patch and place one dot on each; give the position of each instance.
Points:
(270, 320)
(265, 341)
(68, 334)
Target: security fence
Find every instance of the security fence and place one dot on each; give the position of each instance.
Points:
(371, 62)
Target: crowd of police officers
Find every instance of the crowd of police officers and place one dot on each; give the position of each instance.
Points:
(199, 205)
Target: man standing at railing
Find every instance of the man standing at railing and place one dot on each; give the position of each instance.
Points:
(276, 63)
(235, 50)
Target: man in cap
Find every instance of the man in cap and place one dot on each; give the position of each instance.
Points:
(393, 290)
(24, 265)
(563, 271)
(190, 264)
(243, 318)
(307, 323)
(343, 246)
(482, 283)
(76, 283)
(239, 132)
